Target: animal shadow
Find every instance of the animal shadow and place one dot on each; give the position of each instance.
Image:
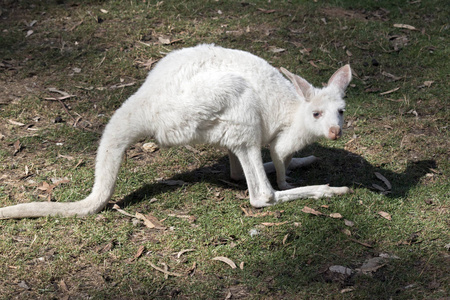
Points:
(336, 167)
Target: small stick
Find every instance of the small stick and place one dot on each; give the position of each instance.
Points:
(62, 103)
(165, 271)
(116, 207)
(361, 243)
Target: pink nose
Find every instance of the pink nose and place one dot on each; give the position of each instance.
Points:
(335, 132)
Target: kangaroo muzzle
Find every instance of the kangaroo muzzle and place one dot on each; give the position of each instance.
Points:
(335, 132)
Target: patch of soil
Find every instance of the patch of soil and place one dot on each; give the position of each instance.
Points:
(339, 12)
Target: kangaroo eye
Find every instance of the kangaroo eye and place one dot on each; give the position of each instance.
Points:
(341, 111)
(317, 114)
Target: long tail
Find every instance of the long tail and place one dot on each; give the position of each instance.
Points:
(122, 130)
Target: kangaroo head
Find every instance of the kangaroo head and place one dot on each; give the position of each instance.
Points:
(323, 109)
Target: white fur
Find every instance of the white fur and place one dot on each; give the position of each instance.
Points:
(224, 97)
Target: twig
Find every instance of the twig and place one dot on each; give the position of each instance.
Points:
(426, 264)
(165, 271)
(390, 91)
(60, 98)
(145, 44)
(76, 25)
(229, 183)
(361, 243)
(65, 108)
(62, 103)
(116, 207)
(103, 59)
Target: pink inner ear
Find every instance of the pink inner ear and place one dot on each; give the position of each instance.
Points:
(302, 86)
(341, 78)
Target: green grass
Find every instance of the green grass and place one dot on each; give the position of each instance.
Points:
(403, 135)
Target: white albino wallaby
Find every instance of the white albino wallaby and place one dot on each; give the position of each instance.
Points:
(224, 97)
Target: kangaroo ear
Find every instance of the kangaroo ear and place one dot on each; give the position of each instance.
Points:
(303, 87)
(341, 78)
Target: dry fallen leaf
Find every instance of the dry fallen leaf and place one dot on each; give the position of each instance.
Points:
(225, 260)
(139, 252)
(150, 147)
(385, 215)
(118, 86)
(148, 63)
(346, 290)
(398, 42)
(336, 215)
(17, 147)
(428, 83)
(243, 195)
(309, 210)
(313, 64)
(149, 221)
(24, 285)
(269, 224)
(66, 156)
(349, 223)
(16, 123)
(184, 251)
(229, 295)
(372, 264)
(412, 239)
(105, 248)
(46, 187)
(63, 286)
(306, 51)
(116, 207)
(390, 91)
(405, 26)
(266, 11)
(165, 271)
(274, 49)
(164, 40)
(361, 243)
(341, 270)
(57, 181)
(346, 232)
(62, 93)
(393, 77)
(192, 269)
(285, 238)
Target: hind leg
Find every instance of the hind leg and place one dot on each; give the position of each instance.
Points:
(236, 172)
(260, 191)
